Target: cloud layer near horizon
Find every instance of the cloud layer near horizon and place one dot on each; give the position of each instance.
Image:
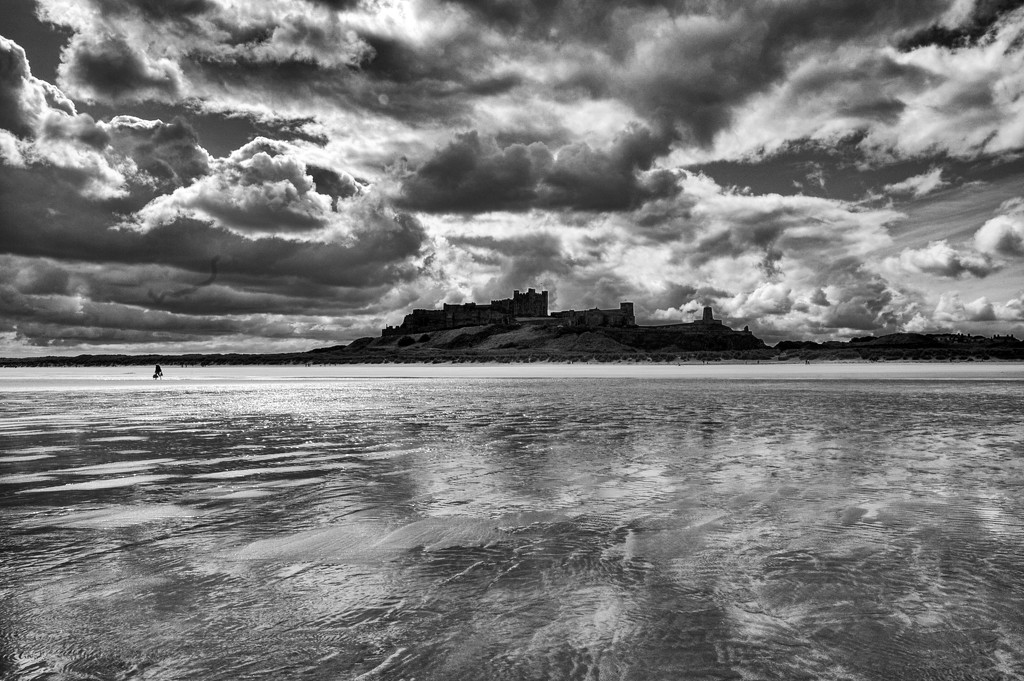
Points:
(427, 151)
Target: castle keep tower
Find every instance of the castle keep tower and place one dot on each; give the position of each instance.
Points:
(530, 304)
(627, 314)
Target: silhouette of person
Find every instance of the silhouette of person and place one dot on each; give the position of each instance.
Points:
(159, 373)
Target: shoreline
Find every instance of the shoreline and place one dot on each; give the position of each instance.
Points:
(137, 377)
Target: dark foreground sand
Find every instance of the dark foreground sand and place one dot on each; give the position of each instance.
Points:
(75, 378)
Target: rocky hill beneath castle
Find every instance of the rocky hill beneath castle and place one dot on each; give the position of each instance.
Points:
(565, 343)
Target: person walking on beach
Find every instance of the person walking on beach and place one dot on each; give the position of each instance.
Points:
(159, 373)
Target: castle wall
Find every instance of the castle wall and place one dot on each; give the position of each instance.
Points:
(529, 307)
(471, 314)
(595, 317)
(418, 321)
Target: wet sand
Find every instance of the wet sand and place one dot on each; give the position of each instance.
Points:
(219, 525)
(72, 378)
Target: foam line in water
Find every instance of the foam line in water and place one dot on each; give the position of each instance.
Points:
(116, 467)
(23, 478)
(99, 484)
(41, 449)
(246, 472)
(26, 457)
(116, 516)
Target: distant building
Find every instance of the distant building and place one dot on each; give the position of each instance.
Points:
(531, 306)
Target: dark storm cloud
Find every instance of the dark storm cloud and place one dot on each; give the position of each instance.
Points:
(449, 64)
(543, 86)
(36, 277)
(513, 14)
(527, 258)
(334, 184)
(24, 99)
(169, 152)
(865, 300)
(683, 66)
(290, 129)
(290, 56)
(109, 69)
(155, 9)
(13, 74)
(609, 180)
(979, 22)
(81, 282)
(473, 174)
(696, 78)
(676, 295)
(758, 232)
(560, 20)
(38, 217)
(81, 128)
(38, 292)
(76, 279)
(338, 4)
(425, 100)
(857, 83)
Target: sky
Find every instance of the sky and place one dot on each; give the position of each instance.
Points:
(281, 175)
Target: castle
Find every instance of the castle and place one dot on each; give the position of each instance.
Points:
(530, 307)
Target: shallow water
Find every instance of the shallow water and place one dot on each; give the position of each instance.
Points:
(473, 528)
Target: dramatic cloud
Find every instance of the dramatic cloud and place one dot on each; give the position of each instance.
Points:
(260, 188)
(52, 133)
(753, 257)
(930, 99)
(471, 174)
(110, 70)
(25, 100)
(168, 152)
(203, 172)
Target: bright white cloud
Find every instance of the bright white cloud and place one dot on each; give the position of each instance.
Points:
(52, 133)
(10, 150)
(918, 185)
(261, 188)
(940, 259)
(951, 309)
(1003, 235)
(965, 102)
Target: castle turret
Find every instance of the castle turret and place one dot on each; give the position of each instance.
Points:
(708, 318)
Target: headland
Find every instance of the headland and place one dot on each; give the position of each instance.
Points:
(521, 329)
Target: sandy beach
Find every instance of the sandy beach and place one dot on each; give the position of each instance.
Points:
(65, 378)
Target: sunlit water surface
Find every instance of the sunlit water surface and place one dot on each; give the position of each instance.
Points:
(514, 529)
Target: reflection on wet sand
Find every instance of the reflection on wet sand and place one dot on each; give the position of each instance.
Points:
(516, 529)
